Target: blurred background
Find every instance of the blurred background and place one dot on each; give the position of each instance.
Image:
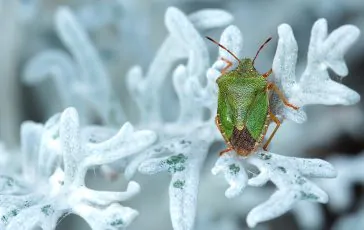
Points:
(129, 32)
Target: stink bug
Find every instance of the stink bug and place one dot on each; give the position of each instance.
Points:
(243, 112)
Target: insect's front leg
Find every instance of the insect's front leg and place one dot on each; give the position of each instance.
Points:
(229, 64)
(272, 86)
(265, 75)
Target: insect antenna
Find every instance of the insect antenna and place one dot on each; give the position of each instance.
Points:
(260, 48)
(223, 48)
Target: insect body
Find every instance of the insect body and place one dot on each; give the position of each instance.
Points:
(243, 113)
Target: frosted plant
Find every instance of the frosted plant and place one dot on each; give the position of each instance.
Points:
(314, 87)
(184, 154)
(351, 172)
(308, 215)
(183, 42)
(83, 75)
(28, 10)
(4, 156)
(46, 191)
(340, 191)
(354, 221)
(9, 161)
(185, 142)
(289, 174)
(107, 12)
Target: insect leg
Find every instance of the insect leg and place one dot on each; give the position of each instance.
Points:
(272, 86)
(265, 75)
(278, 123)
(226, 150)
(229, 64)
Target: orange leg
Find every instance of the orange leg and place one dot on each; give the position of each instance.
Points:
(272, 86)
(267, 73)
(278, 123)
(226, 150)
(229, 64)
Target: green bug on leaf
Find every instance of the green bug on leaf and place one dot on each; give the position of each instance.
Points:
(243, 111)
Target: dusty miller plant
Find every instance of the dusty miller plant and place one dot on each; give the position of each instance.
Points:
(289, 174)
(182, 144)
(340, 193)
(313, 87)
(51, 185)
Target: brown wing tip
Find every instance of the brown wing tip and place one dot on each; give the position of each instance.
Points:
(242, 142)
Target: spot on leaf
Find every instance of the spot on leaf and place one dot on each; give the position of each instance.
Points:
(300, 180)
(265, 156)
(234, 169)
(309, 196)
(47, 210)
(282, 169)
(179, 184)
(117, 222)
(176, 163)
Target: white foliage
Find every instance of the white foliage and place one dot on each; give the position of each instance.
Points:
(354, 221)
(314, 87)
(289, 175)
(183, 41)
(186, 140)
(309, 215)
(85, 77)
(7, 164)
(109, 12)
(183, 188)
(351, 172)
(234, 173)
(48, 191)
(183, 143)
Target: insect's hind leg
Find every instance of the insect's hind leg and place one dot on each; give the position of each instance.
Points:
(278, 124)
(225, 151)
(272, 86)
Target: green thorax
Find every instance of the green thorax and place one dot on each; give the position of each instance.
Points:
(243, 100)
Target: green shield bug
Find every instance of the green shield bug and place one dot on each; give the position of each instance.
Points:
(243, 111)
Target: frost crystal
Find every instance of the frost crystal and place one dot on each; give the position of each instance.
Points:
(46, 191)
